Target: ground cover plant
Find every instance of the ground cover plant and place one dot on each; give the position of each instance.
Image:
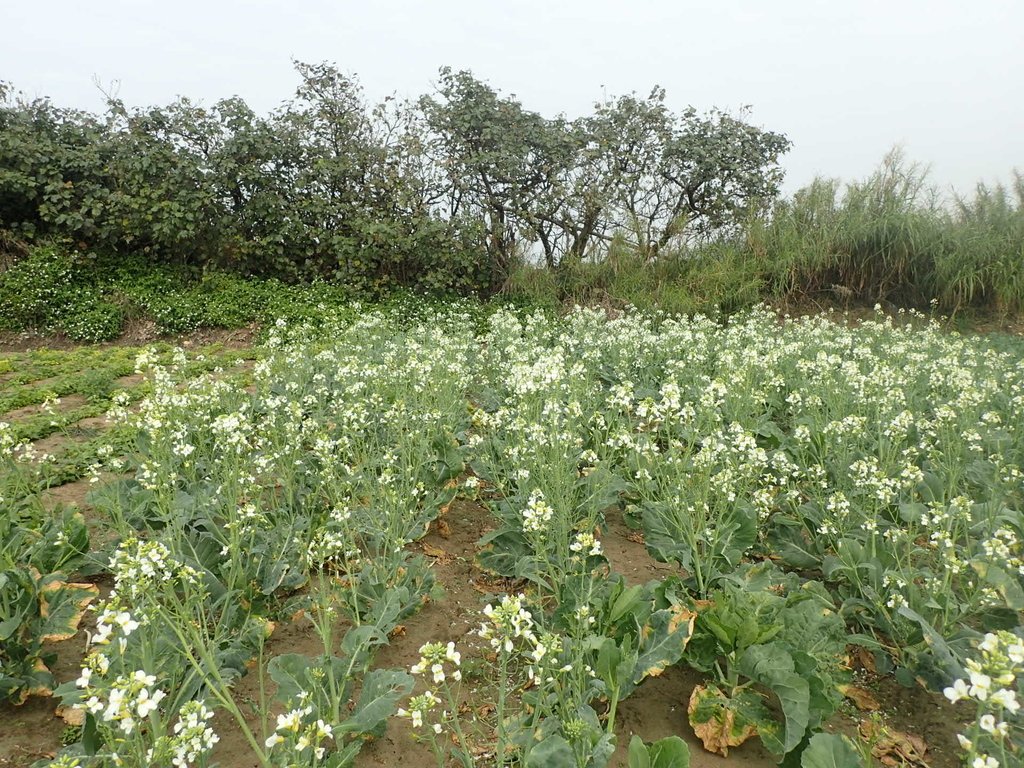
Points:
(817, 496)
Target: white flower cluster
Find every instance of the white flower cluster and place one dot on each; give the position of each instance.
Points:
(434, 657)
(419, 707)
(991, 682)
(193, 735)
(538, 513)
(128, 699)
(293, 728)
(191, 739)
(112, 621)
(507, 623)
(140, 566)
(586, 542)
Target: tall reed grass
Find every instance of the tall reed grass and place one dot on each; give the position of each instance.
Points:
(889, 238)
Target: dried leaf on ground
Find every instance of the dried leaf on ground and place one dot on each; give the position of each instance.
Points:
(864, 657)
(864, 699)
(71, 715)
(437, 553)
(894, 748)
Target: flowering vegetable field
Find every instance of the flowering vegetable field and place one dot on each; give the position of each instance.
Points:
(815, 502)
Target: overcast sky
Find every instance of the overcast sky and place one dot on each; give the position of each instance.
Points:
(844, 79)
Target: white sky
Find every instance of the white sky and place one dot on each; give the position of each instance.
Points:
(844, 79)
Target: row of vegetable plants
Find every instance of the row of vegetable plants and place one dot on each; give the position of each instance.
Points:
(814, 484)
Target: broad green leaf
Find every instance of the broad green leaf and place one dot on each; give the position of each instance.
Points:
(670, 752)
(942, 656)
(830, 750)
(626, 603)
(382, 688)
(662, 640)
(500, 551)
(294, 674)
(638, 754)
(552, 752)
(772, 666)
(1007, 586)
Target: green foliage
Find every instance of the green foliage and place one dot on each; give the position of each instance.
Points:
(439, 195)
(830, 750)
(768, 629)
(463, 191)
(566, 187)
(37, 604)
(669, 752)
(887, 239)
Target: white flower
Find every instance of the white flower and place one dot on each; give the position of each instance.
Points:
(1016, 653)
(957, 691)
(290, 721)
(324, 730)
(980, 685)
(147, 703)
(1006, 699)
(273, 740)
(452, 655)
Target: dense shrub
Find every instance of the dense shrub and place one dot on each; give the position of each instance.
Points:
(442, 194)
(91, 318)
(54, 287)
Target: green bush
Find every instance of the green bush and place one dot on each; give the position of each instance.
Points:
(35, 291)
(91, 318)
(55, 288)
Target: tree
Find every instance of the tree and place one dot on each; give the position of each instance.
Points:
(497, 156)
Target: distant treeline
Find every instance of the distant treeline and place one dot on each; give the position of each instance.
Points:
(444, 192)
(464, 190)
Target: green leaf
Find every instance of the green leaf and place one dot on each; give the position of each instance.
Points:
(830, 750)
(626, 603)
(552, 752)
(638, 754)
(294, 674)
(944, 658)
(8, 626)
(789, 540)
(772, 666)
(382, 688)
(670, 752)
(501, 551)
(1007, 586)
(663, 640)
